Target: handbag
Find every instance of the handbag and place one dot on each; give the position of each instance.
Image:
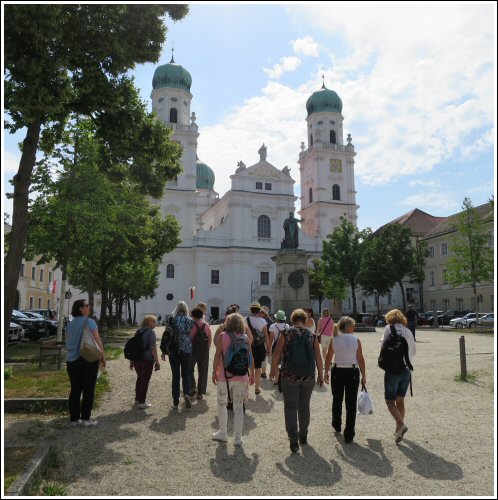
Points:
(89, 349)
(319, 335)
(365, 403)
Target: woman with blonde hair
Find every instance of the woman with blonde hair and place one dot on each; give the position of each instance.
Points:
(346, 350)
(324, 330)
(396, 383)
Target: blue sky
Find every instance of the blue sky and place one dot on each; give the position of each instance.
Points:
(417, 86)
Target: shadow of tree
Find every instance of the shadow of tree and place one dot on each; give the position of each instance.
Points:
(310, 469)
(261, 405)
(370, 460)
(236, 468)
(427, 464)
(176, 420)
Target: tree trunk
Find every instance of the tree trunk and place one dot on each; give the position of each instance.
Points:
(421, 295)
(19, 231)
(353, 295)
(135, 312)
(129, 310)
(110, 310)
(103, 308)
(377, 300)
(62, 302)
(402, 294)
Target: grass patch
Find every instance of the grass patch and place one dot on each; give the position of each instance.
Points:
(7, 373)
(14, 462)
(471, 377)
(112, 352)
(49, 483)
(26, 351)
(103, 386)
(128, 461)
(27, 382)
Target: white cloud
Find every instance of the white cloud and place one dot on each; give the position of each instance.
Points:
(424, 183)
(10, 163)
(288, 64)
(306, 46)
(433, 200)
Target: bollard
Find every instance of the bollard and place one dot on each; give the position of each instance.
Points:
(463, 361)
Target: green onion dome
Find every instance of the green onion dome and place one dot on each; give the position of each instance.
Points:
(205, 175)
(323, 100)
(171, 75)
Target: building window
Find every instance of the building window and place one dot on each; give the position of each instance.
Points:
(311, 195)
(444, 248)
(332, 137)
(264, 227)
(410, 293)
(215, 276)
(48, 303)
(259, 185)
(33, 273)
(21, 272)
(50, 275)
(173, 115)
(491, 240)
(311, 139)
(264, 278)
(473, 303)
(446, 304)
(432, 278)
(336, 192)
(41, 275)
(431, 251)
(39, 303)
(433, 305)
(459, 304)
(267, 186)
(444, 277)
(31, 302)
(170, 271)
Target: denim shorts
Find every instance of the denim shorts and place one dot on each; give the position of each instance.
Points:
(396, 384)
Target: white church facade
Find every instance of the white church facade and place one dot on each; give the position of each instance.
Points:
(227, 242)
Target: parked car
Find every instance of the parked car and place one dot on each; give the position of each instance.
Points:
(423, 319)
(487, 320)
(34, 329)
(450, 314)
(463, 321)
(50, 324)
(50, 314)
(16, 333)
(430, 317)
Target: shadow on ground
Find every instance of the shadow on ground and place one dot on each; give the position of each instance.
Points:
(176, 419)
(233, 468)
(369, 459)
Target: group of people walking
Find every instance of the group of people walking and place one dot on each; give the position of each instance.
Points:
(301, 356)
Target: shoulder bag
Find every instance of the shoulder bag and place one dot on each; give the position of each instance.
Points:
(89, 349)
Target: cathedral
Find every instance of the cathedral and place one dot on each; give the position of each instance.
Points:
(227, 243)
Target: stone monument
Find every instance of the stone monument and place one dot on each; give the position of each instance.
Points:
(291, 284)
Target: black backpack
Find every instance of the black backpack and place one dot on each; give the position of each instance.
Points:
(169, 340)
(300, 359)
(134, 349)
(238, 357)
(200, 342)
(393, 357)
(258, 337)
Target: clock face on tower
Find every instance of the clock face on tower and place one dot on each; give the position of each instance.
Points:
(336, 165)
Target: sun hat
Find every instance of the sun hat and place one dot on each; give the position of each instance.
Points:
(255, 305)
(265, 309)
(280, 315)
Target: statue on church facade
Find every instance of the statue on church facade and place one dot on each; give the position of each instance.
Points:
(262, 152)
(291, 239)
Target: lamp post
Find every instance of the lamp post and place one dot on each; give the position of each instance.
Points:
(68, 296)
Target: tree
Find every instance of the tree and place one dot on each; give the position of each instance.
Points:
(341, 255)
(322, 286)
(417, 273)
(61, 59)
(472, 260)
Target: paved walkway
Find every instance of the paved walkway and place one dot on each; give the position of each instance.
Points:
(448, 449)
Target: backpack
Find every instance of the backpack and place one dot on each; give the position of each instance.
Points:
(134, 349)
(169, 340)
(257, 335)
(238, 357)
(393, 355)
(300, 360)
(275, 342)
(200, 342)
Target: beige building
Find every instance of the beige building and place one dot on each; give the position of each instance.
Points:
(438, 293)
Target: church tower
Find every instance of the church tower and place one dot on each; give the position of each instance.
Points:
(326, 166)
(171, 99)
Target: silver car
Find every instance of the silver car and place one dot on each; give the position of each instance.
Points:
(16, 333)
(462, 322)
(487, 320)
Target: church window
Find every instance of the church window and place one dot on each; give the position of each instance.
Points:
(31, 302)
(161, 99)
(259, 185)
(264, 227)
(41, 275)
(33, 273)
(170, 271)
(336, 192)
(173, 115)
(264, 278)
(215, 276)
(174, 99)
(39, 303)
(311, 139)
(268, 186)
(332, 137)
(311, 195)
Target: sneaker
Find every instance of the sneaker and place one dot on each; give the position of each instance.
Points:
(175, 405)
(337, 430)
(237, 442)
(188, 403)
(401, 433)
(193, 392)
(143, 406)
(294, 446)
(348, 440)
(75, 423)
(220, 436)
(257, 391)
(89, 423)
(135, 405)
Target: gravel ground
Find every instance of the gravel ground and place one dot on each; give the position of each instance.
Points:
(448, 449)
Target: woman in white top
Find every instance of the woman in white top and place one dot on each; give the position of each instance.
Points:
(310, 322)
(345, 376)
(279, 327)
(324, 330)
(396, 384)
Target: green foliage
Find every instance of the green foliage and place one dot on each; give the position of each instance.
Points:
(342, 254)
(472, 260)
(7, 373)
(421, 252)
(112, 352)
(324, 286)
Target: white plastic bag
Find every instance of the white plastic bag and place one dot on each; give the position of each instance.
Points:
(365, 403)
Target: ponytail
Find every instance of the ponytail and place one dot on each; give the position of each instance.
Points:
(336, 330)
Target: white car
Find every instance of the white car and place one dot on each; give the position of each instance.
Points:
(463, 321)
(487, 320)
(16, 333)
